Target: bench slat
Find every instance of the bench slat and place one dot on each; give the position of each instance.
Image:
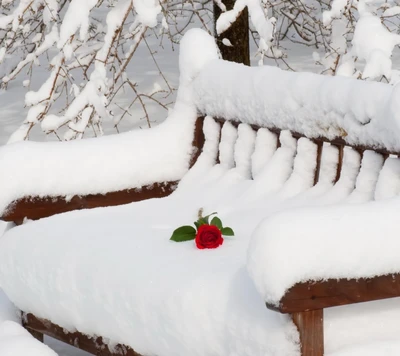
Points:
(334, 292)
(318, 165)
(37, 208)
(93, 345)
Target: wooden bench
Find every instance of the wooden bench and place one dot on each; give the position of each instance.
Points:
(304, 301)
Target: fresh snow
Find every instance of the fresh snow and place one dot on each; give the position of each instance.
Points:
(16, 341)
(364, 113)
(373, 43)
(93, 166)
(163, 288)
(111, 163)
(358, 240)
(184, 314)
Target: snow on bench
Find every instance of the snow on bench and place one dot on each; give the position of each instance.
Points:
(15, 341)
(112, 274)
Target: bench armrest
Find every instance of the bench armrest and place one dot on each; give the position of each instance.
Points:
(35, 206)
(335, 292)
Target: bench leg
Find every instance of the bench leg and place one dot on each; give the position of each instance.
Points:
(311, 329)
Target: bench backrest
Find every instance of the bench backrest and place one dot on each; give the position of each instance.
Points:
(39, 207)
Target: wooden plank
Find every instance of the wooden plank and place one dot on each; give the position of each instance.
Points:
(198, 140)
(94, 345)
(36, 208)
(311, 329)
(318, 165)
(334, 292)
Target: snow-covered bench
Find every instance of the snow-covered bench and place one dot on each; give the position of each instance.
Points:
(110, 282)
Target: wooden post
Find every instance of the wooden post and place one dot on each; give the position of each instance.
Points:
(311, 329)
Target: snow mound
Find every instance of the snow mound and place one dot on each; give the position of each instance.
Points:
(16, 341)
(338, 241)
(362, 113)
(100, 165)
(197, 48)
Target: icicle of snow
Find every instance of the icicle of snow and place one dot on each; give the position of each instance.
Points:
(278, 169)
(388, 185)
(265, 147)
(226, 147)
(304, 165)
(371, 165)
(329, 162)
(348, 176)
(244, 148)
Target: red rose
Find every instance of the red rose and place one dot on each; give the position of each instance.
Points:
(208, 236)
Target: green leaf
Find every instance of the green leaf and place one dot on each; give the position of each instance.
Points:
(227, 231)
(197, 224)
(184, 233)
(217, 222)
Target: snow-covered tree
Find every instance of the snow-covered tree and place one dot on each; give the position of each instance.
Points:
(88, 46)
(87, 58)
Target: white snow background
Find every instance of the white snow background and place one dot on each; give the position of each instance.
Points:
(13, 113)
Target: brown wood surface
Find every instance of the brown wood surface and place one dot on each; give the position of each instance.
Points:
(94, 345)
(311, 330)
(340, 162)
(36, 208)
(334, 292)
(318, 165)
(198, 141)
(237, 34)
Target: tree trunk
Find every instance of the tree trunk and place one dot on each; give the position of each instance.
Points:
(237, 34)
